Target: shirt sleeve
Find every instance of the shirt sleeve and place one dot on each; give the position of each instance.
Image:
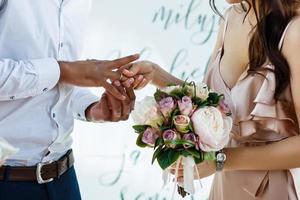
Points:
(82, 98)
(27, 78)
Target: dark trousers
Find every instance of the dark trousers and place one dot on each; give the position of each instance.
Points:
(64, 188)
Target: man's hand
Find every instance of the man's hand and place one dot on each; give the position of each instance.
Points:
(110, 108)
(95, 73)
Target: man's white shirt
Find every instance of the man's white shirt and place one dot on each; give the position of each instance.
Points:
(37, 113)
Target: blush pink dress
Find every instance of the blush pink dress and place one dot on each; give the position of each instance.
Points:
(258, 120)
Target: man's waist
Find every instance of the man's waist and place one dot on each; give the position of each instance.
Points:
(43, 172)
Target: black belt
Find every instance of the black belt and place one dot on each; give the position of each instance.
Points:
(42, 173)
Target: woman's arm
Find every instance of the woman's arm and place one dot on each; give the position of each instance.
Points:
(145, 72)
(277, 156)
(162, 78)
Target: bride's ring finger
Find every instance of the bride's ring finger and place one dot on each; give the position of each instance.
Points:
(142, 84)
(137, 80)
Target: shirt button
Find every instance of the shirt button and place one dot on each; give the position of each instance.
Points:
(53, 115)
(79, 115)
(12, 97)
(61, 44)
(45, 89)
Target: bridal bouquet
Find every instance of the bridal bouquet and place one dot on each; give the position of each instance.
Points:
(184, 124)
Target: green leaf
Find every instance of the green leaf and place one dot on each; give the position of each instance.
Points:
(189, 89)
(159, 95)
(209, 156)
(139, 141)
(194, 153)
(167, 158)
(202, 104)
(191, 127)
(179, 142)
(156, 153)
(159, 142)
(177, 93)
(185, 153)
(186, 82)
(164, 128)
(174, 113)
(140, 128)
(198, 160)
(214, 98)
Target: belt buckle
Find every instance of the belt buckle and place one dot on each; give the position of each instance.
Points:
(39, 177)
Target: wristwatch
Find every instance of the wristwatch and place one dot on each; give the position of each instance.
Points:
(220, 160)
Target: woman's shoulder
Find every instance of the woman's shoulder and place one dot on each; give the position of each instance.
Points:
(291, 35)
(291, 44)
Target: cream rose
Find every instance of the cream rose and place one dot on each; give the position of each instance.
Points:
(170, 89)
(202, 91)
(212, 128)
(182, 123)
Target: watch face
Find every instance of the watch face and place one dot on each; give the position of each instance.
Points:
(221, 157)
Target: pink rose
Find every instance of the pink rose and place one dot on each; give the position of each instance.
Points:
(185, 106)
(191, 137)
(182, 123)
(166, 106)
(150, 136)
(170, 135)
(212, 128)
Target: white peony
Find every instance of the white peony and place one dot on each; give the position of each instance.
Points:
(146, 112)
(213, 130)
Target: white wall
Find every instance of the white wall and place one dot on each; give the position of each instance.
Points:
(179, 35)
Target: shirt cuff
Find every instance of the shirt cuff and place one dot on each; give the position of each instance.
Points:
(81, 104)
(49, 73)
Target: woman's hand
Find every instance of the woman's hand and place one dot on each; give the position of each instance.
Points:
(139, 74)
(95, 73)
(205, 169)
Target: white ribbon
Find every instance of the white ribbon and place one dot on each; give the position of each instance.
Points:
(176, 177)
(189, 168)
(188, 174)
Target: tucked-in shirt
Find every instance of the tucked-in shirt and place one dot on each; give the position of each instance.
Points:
(37, 112)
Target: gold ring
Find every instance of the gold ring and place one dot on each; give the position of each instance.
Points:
(121, 76)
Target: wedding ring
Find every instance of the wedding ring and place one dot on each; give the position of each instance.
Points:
(121, 76)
